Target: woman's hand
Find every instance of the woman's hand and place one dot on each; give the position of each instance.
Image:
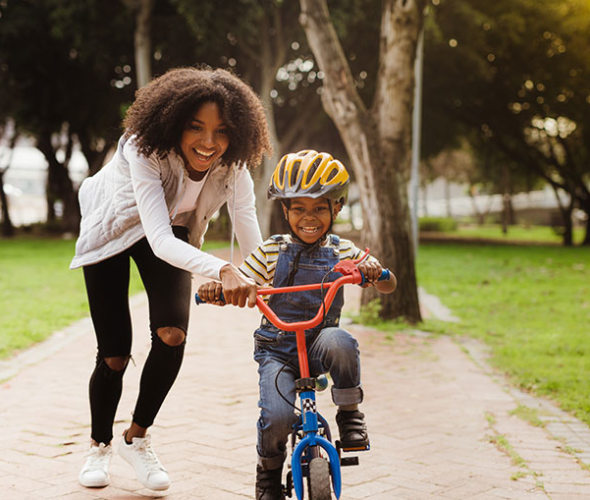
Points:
(237, 288)
(210, 292)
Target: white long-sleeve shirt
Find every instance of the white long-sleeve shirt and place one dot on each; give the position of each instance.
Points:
(134, 196)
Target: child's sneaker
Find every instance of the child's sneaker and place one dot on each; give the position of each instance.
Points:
(148, 468)
(353, 430)
(95, 472)
(268, 484)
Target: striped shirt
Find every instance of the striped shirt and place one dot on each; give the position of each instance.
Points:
(261, 263)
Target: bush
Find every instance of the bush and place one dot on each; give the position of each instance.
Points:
(439, 224)
(369, 313)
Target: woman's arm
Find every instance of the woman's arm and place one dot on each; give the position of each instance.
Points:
(155, 219)
(243, 213)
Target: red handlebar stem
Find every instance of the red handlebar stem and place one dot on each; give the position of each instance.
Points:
(351, 274)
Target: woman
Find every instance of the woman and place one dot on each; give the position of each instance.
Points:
(188, 137)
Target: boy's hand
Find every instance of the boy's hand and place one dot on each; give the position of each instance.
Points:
(372, 271)
(210, 292)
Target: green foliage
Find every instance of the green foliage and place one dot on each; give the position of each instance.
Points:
(510, 76)
(369, 313)
(59, 61)
(439, 224)
(530, 304)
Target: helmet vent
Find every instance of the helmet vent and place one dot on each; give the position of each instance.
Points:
(313, 167)
(282, 169)
(294, 172)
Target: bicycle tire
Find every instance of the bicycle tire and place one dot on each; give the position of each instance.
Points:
(318, 481)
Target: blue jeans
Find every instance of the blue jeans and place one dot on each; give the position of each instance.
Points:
(332, 351)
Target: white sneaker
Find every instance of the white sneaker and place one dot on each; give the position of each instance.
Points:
(95, 472)
(148, 468)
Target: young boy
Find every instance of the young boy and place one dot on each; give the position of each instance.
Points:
(312, 188)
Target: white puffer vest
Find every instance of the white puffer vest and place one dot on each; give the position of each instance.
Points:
(110, 217)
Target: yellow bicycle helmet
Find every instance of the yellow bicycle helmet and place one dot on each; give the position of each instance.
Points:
(311, 174)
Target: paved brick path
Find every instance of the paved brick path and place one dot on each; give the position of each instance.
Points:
(440, 421)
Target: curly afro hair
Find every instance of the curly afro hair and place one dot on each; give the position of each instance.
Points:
(163, 108)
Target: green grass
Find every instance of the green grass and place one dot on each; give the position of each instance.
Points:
(38, 293)
(530, 304)
(518, 233)
(530, 415)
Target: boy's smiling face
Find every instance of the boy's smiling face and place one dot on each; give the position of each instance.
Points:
(310, 218)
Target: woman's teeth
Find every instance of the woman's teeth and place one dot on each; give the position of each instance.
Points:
(203, 153)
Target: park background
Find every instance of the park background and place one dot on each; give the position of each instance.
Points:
(489, 159)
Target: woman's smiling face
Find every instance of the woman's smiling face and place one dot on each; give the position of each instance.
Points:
(310, 218)
(204, 139)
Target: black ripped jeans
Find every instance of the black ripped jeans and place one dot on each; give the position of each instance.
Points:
(169, 290)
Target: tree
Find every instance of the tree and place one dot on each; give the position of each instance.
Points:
(142, 40)
(255, 48)
(64, 87)
(515, 75)
(377, 139)
(8, 138)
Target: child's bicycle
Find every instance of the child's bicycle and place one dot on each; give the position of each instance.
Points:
(311, 437)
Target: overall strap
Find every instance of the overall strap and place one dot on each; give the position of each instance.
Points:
(278, 238)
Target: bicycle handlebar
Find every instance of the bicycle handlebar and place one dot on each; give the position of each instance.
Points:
(332, 287)
(385, 275)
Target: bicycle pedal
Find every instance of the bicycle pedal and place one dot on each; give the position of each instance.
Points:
(346, 461)
(347, 449)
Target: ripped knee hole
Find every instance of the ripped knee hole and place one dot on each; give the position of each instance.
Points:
(171, 335)
(117, 363)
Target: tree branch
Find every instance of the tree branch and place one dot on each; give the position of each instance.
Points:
(344, 104)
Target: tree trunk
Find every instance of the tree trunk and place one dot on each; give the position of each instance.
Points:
(59, 187)
(378, 141)
(480, 216)
(94, 157)
(424, 197)
(272, 55)
(508, 217)
(568, 229)
(264, 206)
(143, 42)
(448, 198)
(7, 227)
(566, 211)
(586, 241)
(507, 209)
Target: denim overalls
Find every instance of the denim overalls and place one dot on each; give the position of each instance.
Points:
(330, 349)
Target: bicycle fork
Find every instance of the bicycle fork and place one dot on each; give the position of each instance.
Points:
(311, 441)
